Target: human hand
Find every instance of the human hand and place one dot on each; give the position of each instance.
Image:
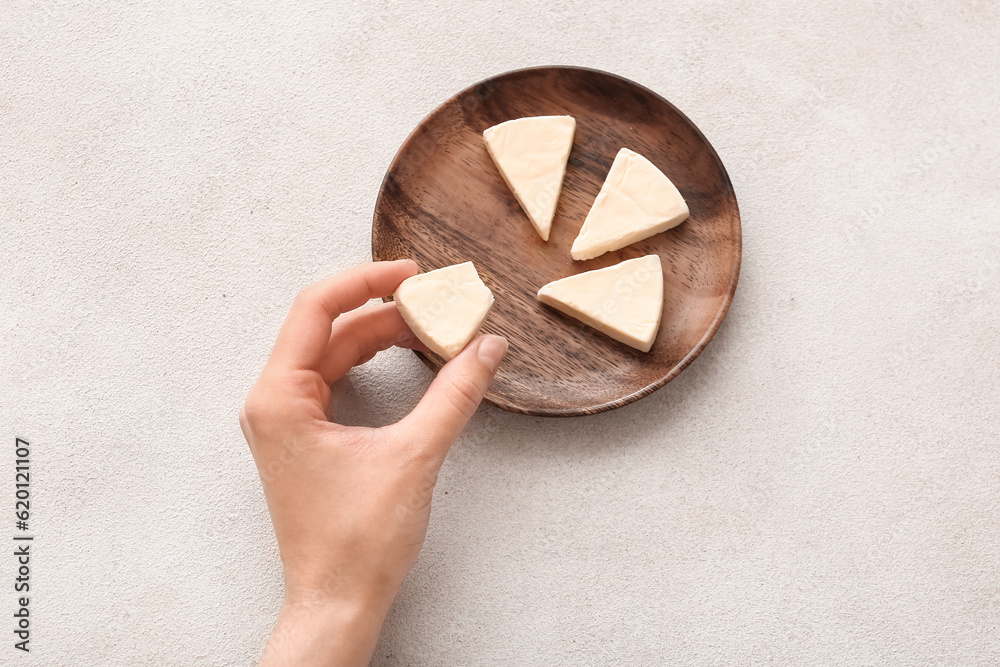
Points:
(350, 505)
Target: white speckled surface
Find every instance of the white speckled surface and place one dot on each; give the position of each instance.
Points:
(821, 487)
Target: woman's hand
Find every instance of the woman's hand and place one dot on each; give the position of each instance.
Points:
(349, 505)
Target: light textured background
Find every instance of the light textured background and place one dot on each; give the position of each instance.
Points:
(821, 487)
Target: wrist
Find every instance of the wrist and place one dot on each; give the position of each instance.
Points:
(337, 633)
(361, 594)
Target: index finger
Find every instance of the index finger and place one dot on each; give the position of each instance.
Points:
(303, 337)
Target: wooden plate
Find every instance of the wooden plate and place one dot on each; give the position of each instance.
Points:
(443, 202)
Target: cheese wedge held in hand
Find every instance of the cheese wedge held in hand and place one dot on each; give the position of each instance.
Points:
(444, 307)
(624, 301)
(531, 155)
(635, 202)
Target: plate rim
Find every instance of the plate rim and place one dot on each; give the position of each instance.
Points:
(713, 327)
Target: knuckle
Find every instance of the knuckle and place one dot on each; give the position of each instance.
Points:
(360, 440)
(305, 295)
(421, 454)
(256, 412)
(422, 492)
(249, 414)
(464, 395)
(351, 341)
(415, 450)
(245, 427)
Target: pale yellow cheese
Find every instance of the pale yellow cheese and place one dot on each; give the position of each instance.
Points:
(624, 301)
(531, 155)
(635, 202)
(445, 307)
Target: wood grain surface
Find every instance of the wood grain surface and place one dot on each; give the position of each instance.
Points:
(443, 202)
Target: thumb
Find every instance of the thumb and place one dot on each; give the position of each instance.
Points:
(454, 395)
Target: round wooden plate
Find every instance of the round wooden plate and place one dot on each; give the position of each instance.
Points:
(443, 202)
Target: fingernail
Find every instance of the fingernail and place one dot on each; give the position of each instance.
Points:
(492, 350)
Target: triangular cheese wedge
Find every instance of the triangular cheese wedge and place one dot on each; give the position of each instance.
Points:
(635, 202)
(531, 155)
(444, 307)
(624, 301)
